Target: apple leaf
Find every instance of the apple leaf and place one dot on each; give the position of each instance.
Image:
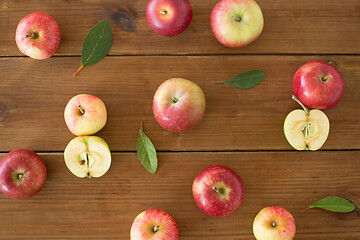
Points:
(146, 152)
(246, 79)
(334, 204)
(96, 45)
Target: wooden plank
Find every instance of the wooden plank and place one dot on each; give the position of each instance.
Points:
(291, 27)
(104, 208)
(33, 96)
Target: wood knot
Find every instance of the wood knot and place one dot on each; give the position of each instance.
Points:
(4, 112)
(124, 18)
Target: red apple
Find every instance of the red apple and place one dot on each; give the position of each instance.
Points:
(274, 223)
(22, 174)
(178, 104)
(318, 85)
(37, 35)
(85, 114)
(169, 17)
(218, 191)
(154, 224)
(236, 23)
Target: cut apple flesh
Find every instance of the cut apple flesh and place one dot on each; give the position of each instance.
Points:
(87, 156)
(306, 131)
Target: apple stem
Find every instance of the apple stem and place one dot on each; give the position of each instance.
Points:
(236, 18)
(273, 224)
(142, 125)
(217, 190)
(163, 12)
(301, 104)
(175, 100)
(20, 176)
(33, 35)
(156, 228)
(81, 110)
(81, 67)
(324, 79)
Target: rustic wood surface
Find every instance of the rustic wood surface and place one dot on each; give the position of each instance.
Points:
(291, 27)
(242, 129)
(104, 208)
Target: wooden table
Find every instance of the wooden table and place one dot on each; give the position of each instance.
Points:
(241, 128)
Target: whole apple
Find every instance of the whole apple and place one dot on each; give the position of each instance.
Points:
(318, 85)
(85, 114)
(37, 35)
(178, 104)
(236, 23)
(169, 17)
(274, 223)
(154, 224)
(218, 191)
(22, 174)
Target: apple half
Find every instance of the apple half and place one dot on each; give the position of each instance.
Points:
(306, 130)
(87, 156)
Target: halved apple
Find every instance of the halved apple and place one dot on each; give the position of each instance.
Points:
(88, 156)
(306, 130)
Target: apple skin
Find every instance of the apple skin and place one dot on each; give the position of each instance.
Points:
(169, 17)
(213, 203)
(28, 165)
(93, 119)
(316, 91)
(178, 104)
(284, 224)
(144, 224)
(236, 23)
(43, 45)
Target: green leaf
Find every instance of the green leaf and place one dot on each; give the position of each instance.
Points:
(246, 79)
(146, 152)
(334, 204)
(97, 44)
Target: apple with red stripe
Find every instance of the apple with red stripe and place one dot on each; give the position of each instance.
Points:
(274, 223)
(169, 17)
(178, 104)
(318, 85)
(22, 174)
(236, 23)
(154, 224)
(37, 35)
(218, 191)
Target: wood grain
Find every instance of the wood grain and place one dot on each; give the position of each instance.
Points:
(291, 27)
(104, 208)
(33, 96)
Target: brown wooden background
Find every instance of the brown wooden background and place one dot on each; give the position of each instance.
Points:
(241, 128)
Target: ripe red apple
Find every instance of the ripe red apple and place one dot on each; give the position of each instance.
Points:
(218, 191)
(85, 114)
(37, 35)
(236, 23)
(22, 174)
(178, 104)
(154, 224)
(274, 223)
(318, 85)
(169, 17)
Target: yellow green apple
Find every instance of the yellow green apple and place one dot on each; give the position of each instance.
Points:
(85, 114)
(236, 23)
